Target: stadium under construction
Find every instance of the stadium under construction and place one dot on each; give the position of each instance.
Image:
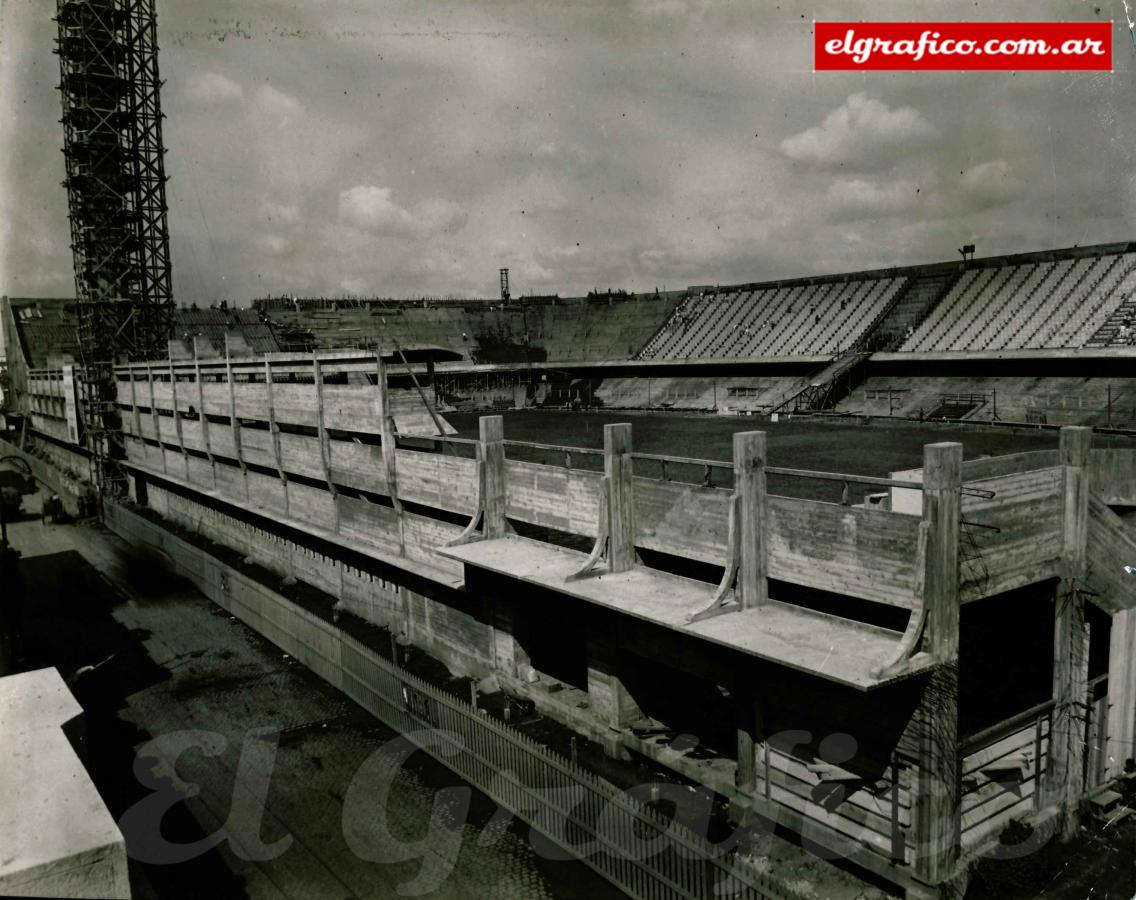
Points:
(844, 560)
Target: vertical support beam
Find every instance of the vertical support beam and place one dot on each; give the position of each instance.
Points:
(608, 696)
(1121, 692)
(324, 441)
(749, 719)
(1065, 778)
(937, 819)
(156, 419)
(749, 484)
(177, 418)
(621, 498)
(203, 420)
(390, 454)
(492, 436)
(135, 416)
(274, 432)
(234, 422)
(509, 655)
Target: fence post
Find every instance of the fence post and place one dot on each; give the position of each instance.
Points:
(621, 498)
(1065, 782)
(749, 484)
(491, 430)
(937, 818)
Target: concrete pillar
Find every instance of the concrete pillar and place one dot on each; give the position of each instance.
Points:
(1065, 778)
(610, 700)
(1121, 692)
(491, 431)
(390, 451)
(937, 816)
(621, 497)
(749, 484)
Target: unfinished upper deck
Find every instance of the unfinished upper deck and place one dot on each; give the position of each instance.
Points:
(369, 468)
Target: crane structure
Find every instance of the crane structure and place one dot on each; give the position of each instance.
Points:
(116, 192)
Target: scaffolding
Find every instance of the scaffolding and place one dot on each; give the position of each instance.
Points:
(116, 192)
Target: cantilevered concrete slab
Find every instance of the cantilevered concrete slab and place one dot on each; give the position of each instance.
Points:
(829, 647)
(57, 839)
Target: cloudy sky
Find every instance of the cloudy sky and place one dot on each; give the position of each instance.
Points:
(389, 148)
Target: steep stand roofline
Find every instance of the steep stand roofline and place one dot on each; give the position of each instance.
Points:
(985, 262)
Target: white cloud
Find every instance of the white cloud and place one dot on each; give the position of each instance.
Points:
(277, 104)
(356, 286)
(862, 131)
(991, 183)
(856, 198)
(371, 208)
(274, 244)
(212, 87)
(279, 213)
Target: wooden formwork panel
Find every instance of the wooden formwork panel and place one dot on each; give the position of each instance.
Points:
(848, 550)
(370, 522)
(1111, 547)
(682, 519)
(1000, 782)
(553, 497)
(1015, 537)
(437, 480)
(312, 505)
(1113, 475)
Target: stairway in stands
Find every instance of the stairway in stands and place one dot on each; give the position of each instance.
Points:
(911, 308)
(1109, 333)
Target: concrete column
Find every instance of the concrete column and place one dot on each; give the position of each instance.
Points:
(509, 656)
(234, 422)
(621, 498)
(324, 440)
(749, 484)
(610, 700)
(177, 418)
(937, 816)
(491, 431)
(390, 451)
(274, 433)
(749, 717)
(1065, 783)
(1121, 691)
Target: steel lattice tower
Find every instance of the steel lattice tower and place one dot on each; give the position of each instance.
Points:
(116, 192)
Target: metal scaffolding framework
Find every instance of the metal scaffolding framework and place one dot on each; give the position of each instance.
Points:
(116, 191)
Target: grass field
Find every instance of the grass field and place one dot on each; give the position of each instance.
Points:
(821, 445)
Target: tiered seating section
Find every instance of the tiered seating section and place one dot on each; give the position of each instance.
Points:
(804, 318)
(1035, 305)
(555, 330)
